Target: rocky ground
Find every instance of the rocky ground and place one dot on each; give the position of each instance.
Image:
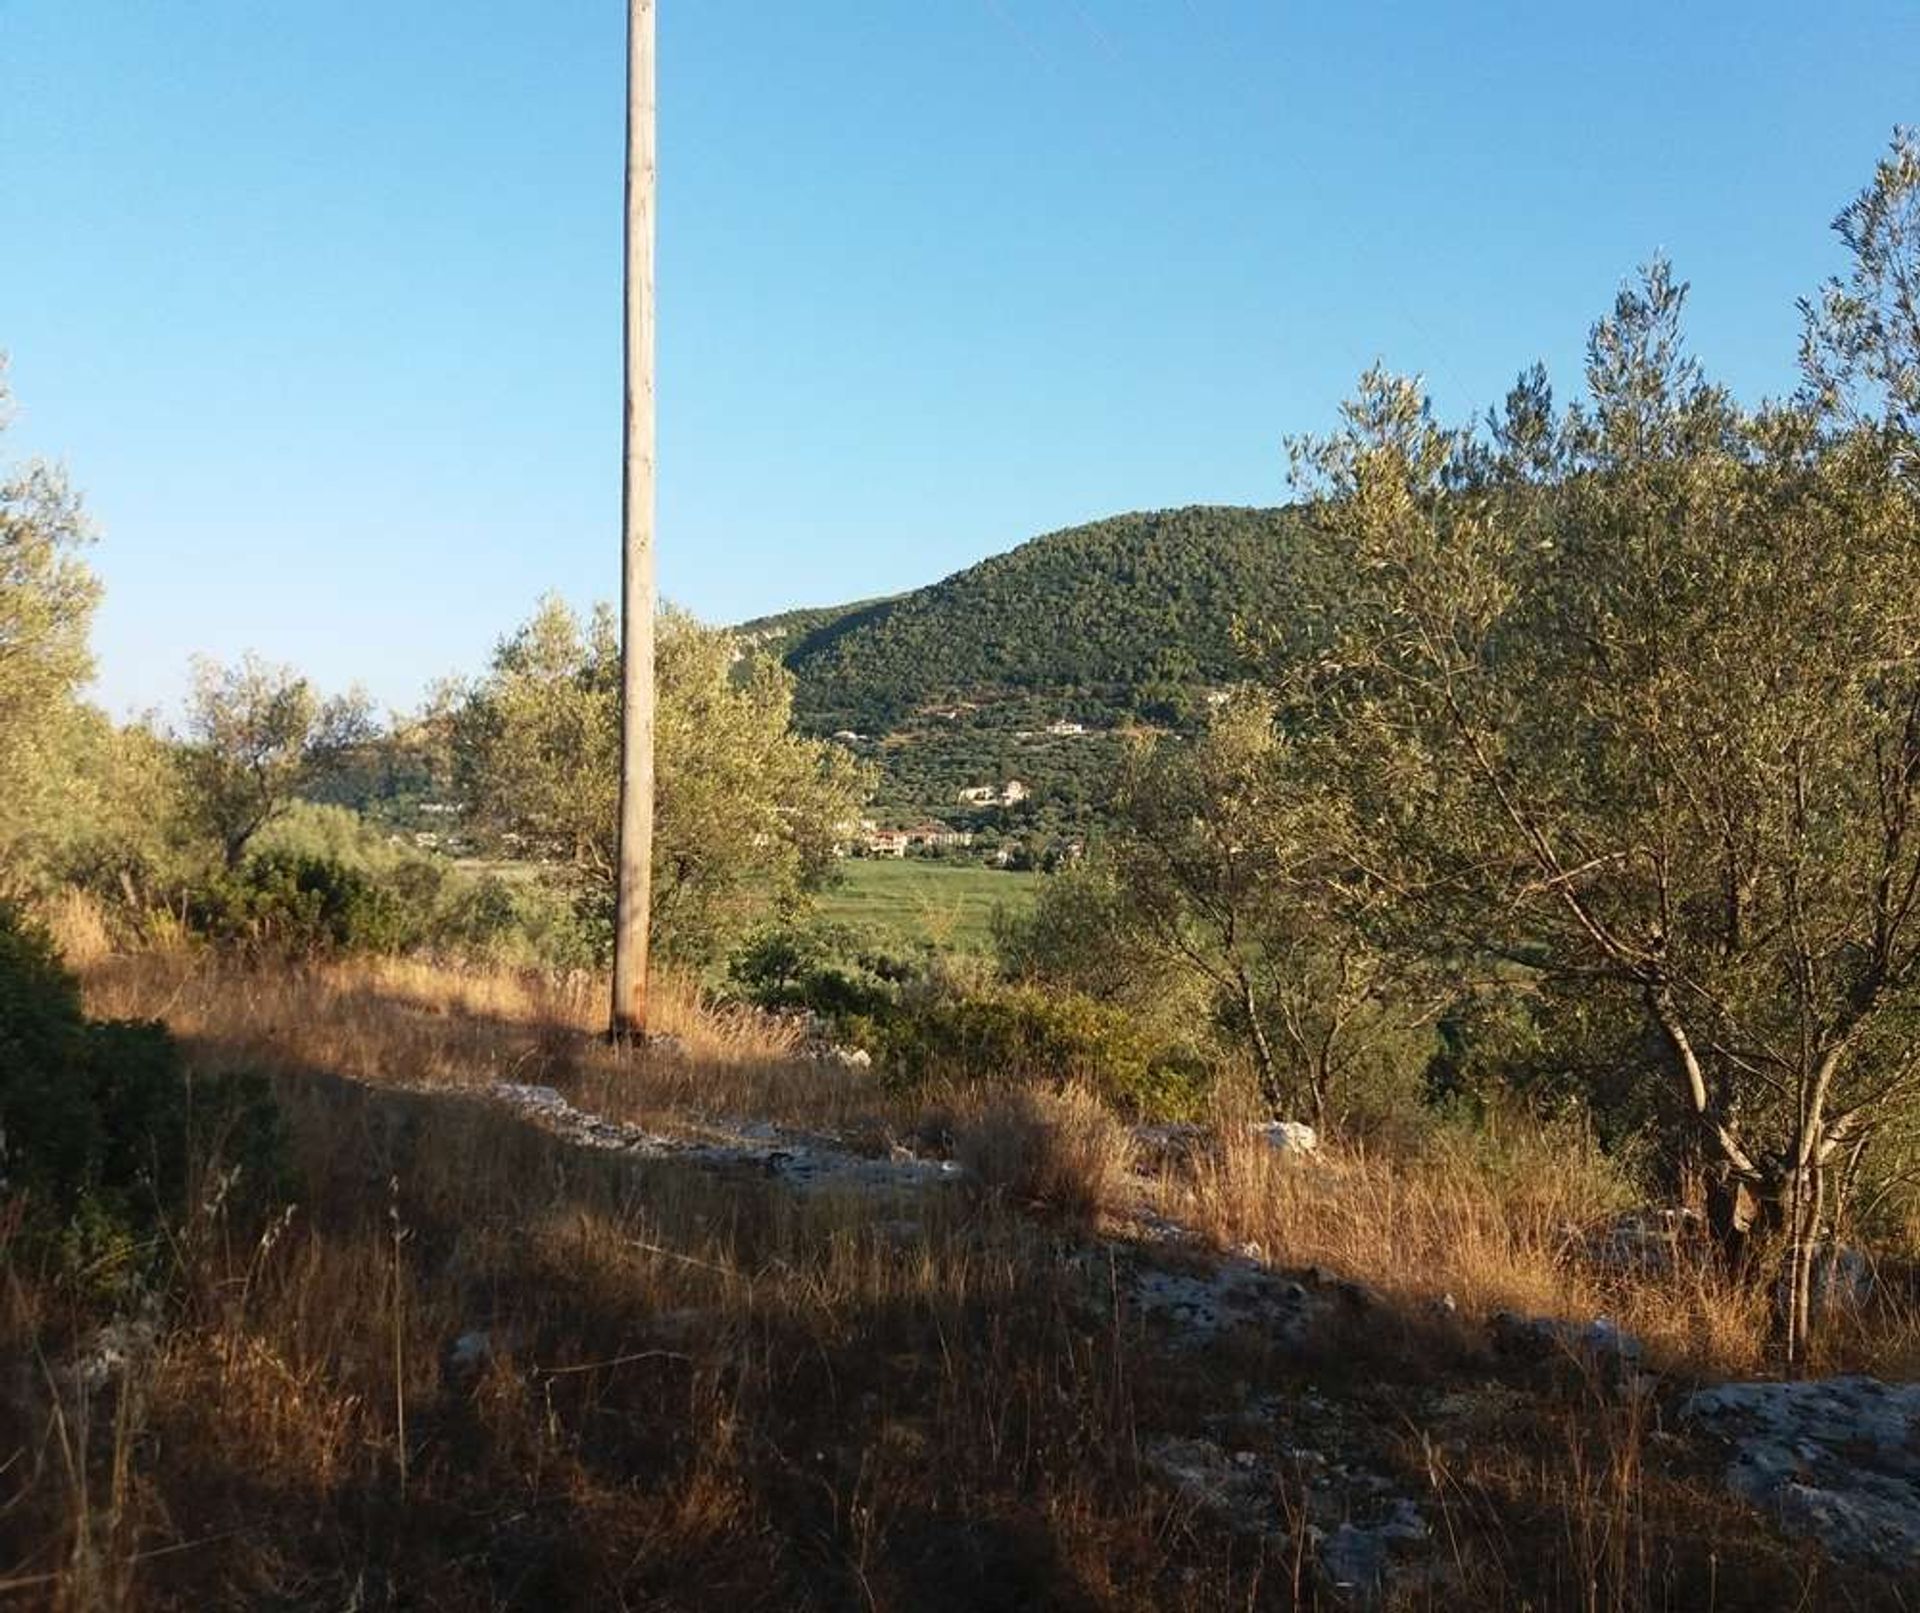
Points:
(1323, 1474)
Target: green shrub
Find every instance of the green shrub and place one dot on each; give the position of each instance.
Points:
(98, 1120)
(1024, 1036)
(46, 1138)
(292, 902)
(1176, 1085)
(827, 970)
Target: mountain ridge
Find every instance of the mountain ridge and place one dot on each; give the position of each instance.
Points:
(1118, 614)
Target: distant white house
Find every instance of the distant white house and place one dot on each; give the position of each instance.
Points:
(1012, 793)
(1066, 730)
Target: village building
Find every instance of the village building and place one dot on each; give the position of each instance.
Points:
(928, 836)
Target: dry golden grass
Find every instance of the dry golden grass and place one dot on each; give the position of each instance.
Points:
(78, 926)
(1061, 1151)
(1442, 1223)
(679, 1390)
(402, 1022)
(471, 1367)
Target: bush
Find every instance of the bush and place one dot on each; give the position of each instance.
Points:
(290, 902)
(95, 1116)
(827, 970)
(1061, 1151)
(1022, 1036)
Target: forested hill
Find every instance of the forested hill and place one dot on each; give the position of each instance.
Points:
(1125, 612)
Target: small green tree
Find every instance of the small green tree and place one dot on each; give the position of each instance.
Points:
(748, 814)
(47, 600)
(1226, 852)
(257, 733)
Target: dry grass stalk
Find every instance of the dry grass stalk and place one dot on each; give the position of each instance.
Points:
(1061, 1151)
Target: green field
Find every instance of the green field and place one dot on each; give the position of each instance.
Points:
(949, 905)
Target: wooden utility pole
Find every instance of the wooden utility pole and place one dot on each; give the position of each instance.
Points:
(635, 889)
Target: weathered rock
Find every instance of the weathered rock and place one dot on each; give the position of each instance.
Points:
(471, 1351)
(1355, 1296)
(1155, 1147)
(1288, 1136)
(1233, 1293)
(844, 1058)
(114, 1347)
(1357, 1558)
(1600, 1342)
(1643, 1241)
(803, 1163)
(1836, 1460)
(1239, 1487)
(1843, 1278)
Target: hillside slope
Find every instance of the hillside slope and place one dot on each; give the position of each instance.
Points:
(1115, 611)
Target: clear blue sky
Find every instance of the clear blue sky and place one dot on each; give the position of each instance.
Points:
(320, 302)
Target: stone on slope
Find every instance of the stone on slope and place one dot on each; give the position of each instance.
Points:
(1836, 1460)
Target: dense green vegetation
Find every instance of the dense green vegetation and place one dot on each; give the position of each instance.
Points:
(1600, 751)
(747, 812)
(98, 1122)
(1568, 758)
(1130, 620)
(1132, 613)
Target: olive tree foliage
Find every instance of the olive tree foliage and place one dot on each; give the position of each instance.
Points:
(1629, 697)
(1219, 876)
(748, 815)
(1860, 345)
(257, 735)
(47, 600)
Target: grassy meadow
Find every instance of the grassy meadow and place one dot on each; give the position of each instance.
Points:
(949, 906)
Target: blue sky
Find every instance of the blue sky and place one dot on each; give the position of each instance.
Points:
(320, 303)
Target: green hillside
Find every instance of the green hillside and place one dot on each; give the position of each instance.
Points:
(1036, 664)
(795, 632)
(1122, 614)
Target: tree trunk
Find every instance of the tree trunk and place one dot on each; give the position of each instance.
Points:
(1802, 1203)
(1321, 1089)
(1262, 1049)
(1734, 1214)
(1749, 1222)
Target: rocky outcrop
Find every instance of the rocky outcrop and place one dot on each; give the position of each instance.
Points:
(801, 1162)
(1836, 1460)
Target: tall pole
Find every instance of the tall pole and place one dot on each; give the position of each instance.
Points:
(636, 549)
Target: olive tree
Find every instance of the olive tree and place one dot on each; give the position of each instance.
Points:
(1223, 862)
(1630, 698)
(47, 600)
(257, 735)
(748, 814)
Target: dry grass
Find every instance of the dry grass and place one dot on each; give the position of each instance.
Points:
(78, 925)
(473, 1368)
(1059, 1151)
(1443, 1225)
(400, 1022)
(678, 1391)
